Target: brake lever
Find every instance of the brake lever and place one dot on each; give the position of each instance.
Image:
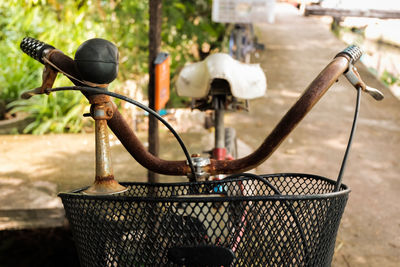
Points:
(354, 78)
(48, 77)
(375, 93)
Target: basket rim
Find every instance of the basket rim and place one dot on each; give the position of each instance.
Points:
(121, 198)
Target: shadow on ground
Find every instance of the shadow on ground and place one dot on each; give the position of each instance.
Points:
(40, 247)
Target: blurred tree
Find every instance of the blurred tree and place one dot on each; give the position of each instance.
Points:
(187, 34)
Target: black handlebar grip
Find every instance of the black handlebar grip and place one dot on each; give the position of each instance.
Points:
(353, 51)
(34, 48)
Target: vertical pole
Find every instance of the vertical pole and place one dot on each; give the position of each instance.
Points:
(103, 155)
(219, 151)
(104, 183)
(219, 128)
(154, 48)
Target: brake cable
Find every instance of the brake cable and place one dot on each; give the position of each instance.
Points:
(352, 131)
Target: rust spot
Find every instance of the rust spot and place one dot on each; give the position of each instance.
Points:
(133, 145)
(102, 111)
(109, 112)
(98, 99)
(101, 179)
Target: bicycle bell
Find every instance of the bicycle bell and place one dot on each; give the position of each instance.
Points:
(97, 61)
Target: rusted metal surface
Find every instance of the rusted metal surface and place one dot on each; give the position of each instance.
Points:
(103, 155)
(105, 186)
(123, 131)
(99, 99)
(298, 111)
(103, 111)
(48, 77)
(133, 145)
(104, 181)
(67, 64)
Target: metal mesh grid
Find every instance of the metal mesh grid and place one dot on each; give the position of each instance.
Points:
(246, 216)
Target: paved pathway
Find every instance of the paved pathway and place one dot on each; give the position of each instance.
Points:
(297, 49)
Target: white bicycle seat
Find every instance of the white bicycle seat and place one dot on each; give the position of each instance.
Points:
(247, 81)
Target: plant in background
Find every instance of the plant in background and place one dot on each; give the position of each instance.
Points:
(56, 113)
(187, 34)
(389, 79)
(61, 25)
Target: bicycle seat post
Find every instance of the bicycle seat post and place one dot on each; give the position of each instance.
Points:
(219, 151)
(102, 110)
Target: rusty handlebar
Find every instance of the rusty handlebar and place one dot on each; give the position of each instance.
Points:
(297, 112)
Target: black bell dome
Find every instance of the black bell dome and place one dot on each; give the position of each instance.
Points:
(97, 61)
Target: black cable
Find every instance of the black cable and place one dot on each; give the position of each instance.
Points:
(138, 104)
(346, 153)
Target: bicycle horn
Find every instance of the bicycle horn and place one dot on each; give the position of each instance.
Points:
(97, 62)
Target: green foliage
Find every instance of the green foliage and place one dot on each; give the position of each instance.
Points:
(126, 24)
(187, 27)
(61, 25)
(389, 79)
(56, 113)
(188, 35)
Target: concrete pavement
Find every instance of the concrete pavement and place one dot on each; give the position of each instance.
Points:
(297, 49)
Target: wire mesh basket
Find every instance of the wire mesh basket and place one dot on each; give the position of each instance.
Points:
(275, 220)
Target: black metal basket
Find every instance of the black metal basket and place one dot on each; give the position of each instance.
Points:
(276, 220)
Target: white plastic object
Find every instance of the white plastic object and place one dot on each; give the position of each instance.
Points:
(247, 81)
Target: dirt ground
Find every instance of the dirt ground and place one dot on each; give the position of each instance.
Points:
(34, 169)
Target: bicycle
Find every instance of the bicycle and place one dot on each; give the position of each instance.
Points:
(243, 42)
(277, 219)
(241, 14)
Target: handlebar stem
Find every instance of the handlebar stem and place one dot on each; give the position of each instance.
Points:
(121, 128)
(101, 111)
